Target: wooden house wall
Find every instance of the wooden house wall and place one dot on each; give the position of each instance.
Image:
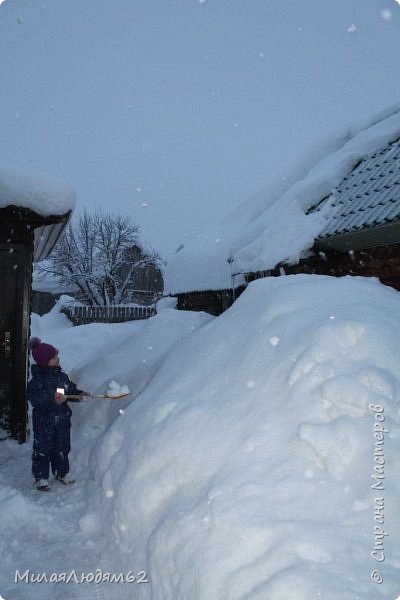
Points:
(16, 241)
(214, 302)
(382, 262)
(43, 302)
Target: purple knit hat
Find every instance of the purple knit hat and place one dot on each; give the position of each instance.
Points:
(42, 353)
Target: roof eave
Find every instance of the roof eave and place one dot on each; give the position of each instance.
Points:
(368, 237)
(46, 237)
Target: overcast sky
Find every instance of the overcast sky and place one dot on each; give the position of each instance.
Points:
(174, 111)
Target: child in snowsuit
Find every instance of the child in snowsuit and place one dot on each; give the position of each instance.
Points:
(51, 415)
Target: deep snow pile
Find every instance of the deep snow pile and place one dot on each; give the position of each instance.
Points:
(244, 468)
(242, 465)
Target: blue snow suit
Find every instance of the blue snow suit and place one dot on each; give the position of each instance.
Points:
(51, 421)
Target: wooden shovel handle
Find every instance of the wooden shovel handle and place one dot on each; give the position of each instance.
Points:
(77, 396)
(107, 397)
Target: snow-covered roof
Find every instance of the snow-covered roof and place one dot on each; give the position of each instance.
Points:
(46, 282)
(277, 225)
(43, 195)
(368, 196)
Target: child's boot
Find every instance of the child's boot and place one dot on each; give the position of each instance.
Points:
(42, 485)
(66, 480)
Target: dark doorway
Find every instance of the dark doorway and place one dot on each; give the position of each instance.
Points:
(8, 315)
(15, 266)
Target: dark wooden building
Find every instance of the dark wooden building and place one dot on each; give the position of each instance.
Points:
(215, 302)
(24, 236)
(362, 233)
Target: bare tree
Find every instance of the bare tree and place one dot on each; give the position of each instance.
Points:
(97, 255)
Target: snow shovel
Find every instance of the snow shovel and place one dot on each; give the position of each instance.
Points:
(105, 396)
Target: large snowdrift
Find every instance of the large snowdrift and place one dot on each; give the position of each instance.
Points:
(249, 464)
(247, 467)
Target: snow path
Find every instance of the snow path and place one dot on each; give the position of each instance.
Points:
(44, 535)
(48, 521)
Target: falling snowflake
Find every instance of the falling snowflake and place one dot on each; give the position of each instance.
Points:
(387, 14)
(274, 341)
(352, 28)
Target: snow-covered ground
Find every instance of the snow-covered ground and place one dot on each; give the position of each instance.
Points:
(247, 464)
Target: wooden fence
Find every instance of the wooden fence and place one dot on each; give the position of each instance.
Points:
(81, 315)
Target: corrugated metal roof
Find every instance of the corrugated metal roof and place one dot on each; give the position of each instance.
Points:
(369, 196)
(45, 238)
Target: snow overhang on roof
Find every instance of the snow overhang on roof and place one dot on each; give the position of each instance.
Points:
(30, 202)
(43, 195)
(280, 223)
